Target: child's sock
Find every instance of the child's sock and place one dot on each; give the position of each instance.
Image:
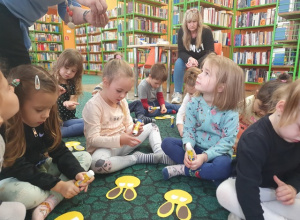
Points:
(146, 158)
(171, 111)
(164, 159)
(174, 170)
(43, 210)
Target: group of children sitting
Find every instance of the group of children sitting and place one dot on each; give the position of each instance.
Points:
(263, 182)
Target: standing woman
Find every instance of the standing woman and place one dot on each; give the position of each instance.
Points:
(195, 41)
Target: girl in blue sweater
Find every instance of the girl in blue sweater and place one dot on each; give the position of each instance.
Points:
(211, 122)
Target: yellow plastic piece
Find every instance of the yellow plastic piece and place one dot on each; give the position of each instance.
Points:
(74, 215)
(74, 144)
(127, 182)
(179, 197)
(163, 117)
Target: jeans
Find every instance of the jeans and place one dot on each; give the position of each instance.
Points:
(72, 128)
(179, 70)
(169, 108)
(137, 108)
(217, 169)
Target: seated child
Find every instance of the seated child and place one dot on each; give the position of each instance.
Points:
(135, 106)
(211, 123)
(189, 80)
(108, 126)
(69, 70)
(266, 182)
(151, 95)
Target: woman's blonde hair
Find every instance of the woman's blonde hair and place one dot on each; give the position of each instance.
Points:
(192, 14)
(14, 133)
(230, 77)
(69, 58)
(291, 94)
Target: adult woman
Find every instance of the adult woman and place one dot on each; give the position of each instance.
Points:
(17, 15)
(195, 41)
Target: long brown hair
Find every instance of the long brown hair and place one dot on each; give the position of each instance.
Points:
(192, 14)
(14, 134)
(70, 58)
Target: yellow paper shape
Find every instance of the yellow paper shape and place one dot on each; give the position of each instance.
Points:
(74, 144)
(179, 197)
(70, 216)
(125, 182)
(163, 117)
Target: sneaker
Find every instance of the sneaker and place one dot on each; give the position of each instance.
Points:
(177, 98)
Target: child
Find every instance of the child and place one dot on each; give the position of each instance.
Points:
(211, 123)
(151, 95)
(135, 106)
(9, 105)
(267, 170)
(68, 70)
(35, 155)
(189, 79)
(108, 125)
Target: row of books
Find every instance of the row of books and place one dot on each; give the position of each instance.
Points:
(45, 27)
(94, 57)
(225, 3)
(50, 18)
(252, 58)
(109, 35)
(47, 66)
(45, 37)
(143, 24)
(47, 47)
(111, 24)
(92, 67)
(110, 46)
(250, 19)
(81, 40)
(107, 57)
(46, 56)
(89, 48)
(80, 31)
(284, 56)
(288, 6)
(255, 75)
(113, 12)
(287, 31)
(249, 3)
(139, 39)
(222, 37)
(94, 38)
(215, 17)
(93, 30)
(253, 38)
(148, 10)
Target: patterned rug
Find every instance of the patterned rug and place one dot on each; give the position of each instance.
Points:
(150, 193)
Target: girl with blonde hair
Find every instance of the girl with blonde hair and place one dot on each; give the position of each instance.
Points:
(266, 180)
(195, 41)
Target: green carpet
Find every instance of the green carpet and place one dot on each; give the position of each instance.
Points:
(150, 193)
(91, 79)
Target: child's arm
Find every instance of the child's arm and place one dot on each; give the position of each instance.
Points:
(143, 95)
(181, 113)
(161, 100)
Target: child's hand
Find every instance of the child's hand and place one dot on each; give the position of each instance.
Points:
(84, 186)
(151, 110)
(67, 189)
(285, 193)
(141, 129)
(180, 129)
(127, 139)
(61, 90)
(70, 105)
(163, 109)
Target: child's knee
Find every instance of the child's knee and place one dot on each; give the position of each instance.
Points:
(101, 166)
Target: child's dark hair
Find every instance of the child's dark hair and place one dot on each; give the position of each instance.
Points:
(191, 75)
(159, 72)
(70, 58)
(14, 134)
(267, 89)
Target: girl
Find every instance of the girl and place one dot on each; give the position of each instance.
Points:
(211, 122)
(35, 155)
(108, 124)
(189, 79)
(267, 170)
(195, 41)
(9, 105)
(68, 70)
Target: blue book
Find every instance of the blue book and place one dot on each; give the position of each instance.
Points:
(284, 6)
(278, 59)
(280, 33)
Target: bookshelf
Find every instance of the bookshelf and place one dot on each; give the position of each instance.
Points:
(252, 39)
(88, 43)
(286, 40)
(46, 41)
(218, 15)
(140, 21)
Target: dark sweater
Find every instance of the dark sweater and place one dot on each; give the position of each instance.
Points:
(261, 154)
(64, 113)
(26, 169)
(199, 53)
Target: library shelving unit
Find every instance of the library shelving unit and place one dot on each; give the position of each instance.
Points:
(140, 21)
(46, 41)
(109, 36)
(253, 32)
(216, 14)
(286, 40)
(88, 43)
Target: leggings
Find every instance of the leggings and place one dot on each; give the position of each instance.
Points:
(11, 189)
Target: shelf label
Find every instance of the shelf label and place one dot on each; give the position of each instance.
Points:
(252, 3)
(262, 22)
(249, 61)
(260, 80)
